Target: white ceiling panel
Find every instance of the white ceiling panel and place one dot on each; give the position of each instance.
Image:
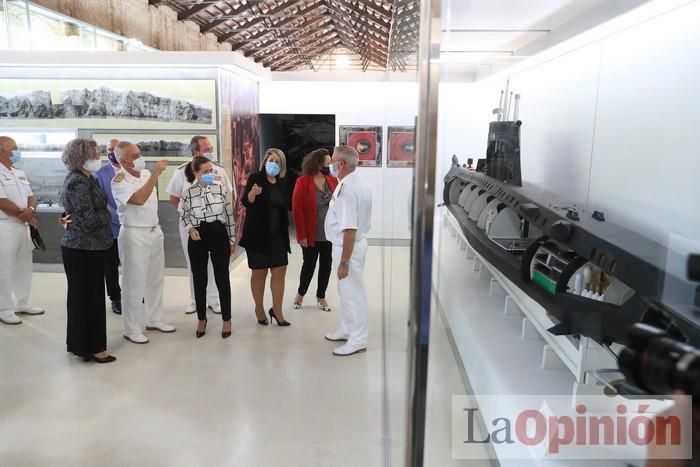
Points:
(511, 14)
(498, 33)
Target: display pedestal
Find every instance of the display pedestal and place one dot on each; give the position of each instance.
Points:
(501, 337)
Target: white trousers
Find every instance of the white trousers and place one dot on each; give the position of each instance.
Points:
(143, 274)
(212, 290)
(353, 296)
(15, 265)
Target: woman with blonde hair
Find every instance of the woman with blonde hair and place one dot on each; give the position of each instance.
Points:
(266, 233)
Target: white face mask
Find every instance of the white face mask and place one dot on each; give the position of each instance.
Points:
(208, 155)
(92, 165)
(139, 164)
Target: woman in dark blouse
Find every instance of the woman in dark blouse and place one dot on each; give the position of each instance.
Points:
(84, 248)
(266, 233)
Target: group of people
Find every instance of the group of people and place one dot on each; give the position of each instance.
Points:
(111, 219)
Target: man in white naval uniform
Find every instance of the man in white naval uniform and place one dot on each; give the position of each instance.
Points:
(347, 225)
(178, 186)
(17, 207)
(140, 244)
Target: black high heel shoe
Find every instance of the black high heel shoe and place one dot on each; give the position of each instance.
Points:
(226, 334)
(107, 359)
(200, 334)
(279, 323)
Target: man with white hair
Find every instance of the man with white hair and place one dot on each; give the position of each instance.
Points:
(140, 244)
(17, 208)
(347, 225)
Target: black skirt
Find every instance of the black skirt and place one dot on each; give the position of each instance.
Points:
(274, 257)
(87, 321)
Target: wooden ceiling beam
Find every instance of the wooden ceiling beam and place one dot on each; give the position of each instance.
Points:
(264, 32)
(246, 42)
(353, 39)
(357, 15)
(349, 22)
(190, 12)
(318, 44)
(274, 11)
(386, 15)
(294, 64)
(277, 49)
(217, 22)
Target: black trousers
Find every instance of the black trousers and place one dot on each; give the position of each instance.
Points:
(112, 273)
(86, 333)
(321, 251)
(215, 243)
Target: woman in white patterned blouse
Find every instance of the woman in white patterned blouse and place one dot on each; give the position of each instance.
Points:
(208, 218)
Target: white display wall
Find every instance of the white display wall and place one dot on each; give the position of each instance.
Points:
(359, 103)
(610, 124)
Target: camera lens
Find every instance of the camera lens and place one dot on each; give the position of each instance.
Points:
(659, 364)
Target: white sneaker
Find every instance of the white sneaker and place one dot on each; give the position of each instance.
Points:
(336, 336)
(137, 339)
(216, 308)
(30, 310)
(191, 308)
(9, 317)
(162, 327)
(349, 349)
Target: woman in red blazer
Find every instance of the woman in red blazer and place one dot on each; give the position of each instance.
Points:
(312, 194)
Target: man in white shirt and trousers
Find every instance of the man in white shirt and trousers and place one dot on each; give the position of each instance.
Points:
(347, 225)
(178, 186)
(17, 208)
(140, 244)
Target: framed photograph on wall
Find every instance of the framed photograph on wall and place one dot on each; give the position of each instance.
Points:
(402, 146)
(124, 104)
(155, 146)
(367, 141)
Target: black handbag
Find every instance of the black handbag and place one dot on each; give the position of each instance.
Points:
(36, 239)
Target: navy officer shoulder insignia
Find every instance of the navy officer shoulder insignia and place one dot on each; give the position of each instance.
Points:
(119, 177)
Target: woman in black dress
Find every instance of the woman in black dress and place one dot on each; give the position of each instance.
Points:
(84, 247)
(266, 233)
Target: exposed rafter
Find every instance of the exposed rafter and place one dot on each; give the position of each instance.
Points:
(305, 34)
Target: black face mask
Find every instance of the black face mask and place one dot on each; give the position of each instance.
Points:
(326, 170)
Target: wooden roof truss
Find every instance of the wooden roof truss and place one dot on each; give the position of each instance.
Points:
(288, 35)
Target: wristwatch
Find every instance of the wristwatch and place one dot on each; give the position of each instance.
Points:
(345, 263)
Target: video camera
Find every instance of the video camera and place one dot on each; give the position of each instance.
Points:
(657, 361)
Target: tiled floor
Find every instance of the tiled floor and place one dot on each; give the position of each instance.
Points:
(267, 396)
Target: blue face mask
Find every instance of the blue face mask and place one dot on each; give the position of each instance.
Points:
(207, 179)
(326, 170)
(333, 170)
(272, 168)
(112, 158)
(16, 156)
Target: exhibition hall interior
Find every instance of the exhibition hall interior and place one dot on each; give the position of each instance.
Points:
(351, 233)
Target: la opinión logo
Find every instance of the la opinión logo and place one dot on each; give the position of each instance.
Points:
(518, 427)
(582, 430)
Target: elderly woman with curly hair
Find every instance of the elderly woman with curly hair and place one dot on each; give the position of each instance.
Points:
(84, 247)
